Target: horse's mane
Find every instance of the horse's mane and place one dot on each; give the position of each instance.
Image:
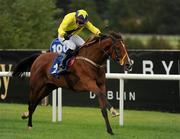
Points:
(115, 34)
(93, 39)
(112, 34)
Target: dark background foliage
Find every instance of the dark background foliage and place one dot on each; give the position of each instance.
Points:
(34, 23)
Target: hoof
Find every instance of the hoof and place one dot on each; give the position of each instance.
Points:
(110, 132)
(114, 112)
(25, 115)
(29, 127)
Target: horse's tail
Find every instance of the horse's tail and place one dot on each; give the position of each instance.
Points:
(24, 65)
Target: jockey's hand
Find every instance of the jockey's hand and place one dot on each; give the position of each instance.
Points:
(102, 35)
(66, 37)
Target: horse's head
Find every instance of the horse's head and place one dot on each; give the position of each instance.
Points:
(118, 51)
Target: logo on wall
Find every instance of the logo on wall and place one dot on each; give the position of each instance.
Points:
(4, 81)
(130, 96)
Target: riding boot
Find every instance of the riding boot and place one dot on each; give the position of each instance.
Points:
(69, 53)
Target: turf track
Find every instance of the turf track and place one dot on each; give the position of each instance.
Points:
(86, 123)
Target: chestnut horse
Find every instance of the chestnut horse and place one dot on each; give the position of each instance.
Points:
(86, 74)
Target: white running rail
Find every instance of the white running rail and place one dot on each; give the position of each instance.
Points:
(54, 92)
(120, 77)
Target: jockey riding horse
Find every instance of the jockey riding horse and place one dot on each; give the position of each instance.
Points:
(72, 24)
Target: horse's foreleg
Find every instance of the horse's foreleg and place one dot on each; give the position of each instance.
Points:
(113, 112)
(103, 107)
(92, 86)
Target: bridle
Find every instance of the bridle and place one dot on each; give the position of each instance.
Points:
(121, 59)
(114, 48)
(106, 51)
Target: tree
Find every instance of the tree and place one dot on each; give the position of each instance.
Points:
(27, 24)
(167, 19)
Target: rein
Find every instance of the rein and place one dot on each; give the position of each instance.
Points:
(86, 59)
(103, 50)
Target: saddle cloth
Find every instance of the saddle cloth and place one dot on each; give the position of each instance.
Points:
(58, 47)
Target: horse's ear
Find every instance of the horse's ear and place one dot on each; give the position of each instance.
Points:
(119, 33)
(103, 36)
(111, 32)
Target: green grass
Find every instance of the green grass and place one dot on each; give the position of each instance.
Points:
(86, 123)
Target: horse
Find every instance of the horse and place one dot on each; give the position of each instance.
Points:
(87, 73)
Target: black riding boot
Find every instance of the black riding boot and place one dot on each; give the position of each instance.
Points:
(69, 53)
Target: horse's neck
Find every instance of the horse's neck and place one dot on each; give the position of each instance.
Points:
(95, 52)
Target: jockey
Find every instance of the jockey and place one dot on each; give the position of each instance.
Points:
(72, 24)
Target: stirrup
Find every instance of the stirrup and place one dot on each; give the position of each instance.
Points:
(61, 69)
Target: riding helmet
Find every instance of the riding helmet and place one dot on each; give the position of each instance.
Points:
(81, 16)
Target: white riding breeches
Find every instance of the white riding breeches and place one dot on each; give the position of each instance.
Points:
(73, 42)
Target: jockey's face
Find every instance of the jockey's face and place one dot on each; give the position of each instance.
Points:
(81, 22)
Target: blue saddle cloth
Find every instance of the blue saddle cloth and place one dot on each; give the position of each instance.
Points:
(57, 62)
(57, 46)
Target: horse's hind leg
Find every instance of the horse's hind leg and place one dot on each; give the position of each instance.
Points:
(34, 98)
